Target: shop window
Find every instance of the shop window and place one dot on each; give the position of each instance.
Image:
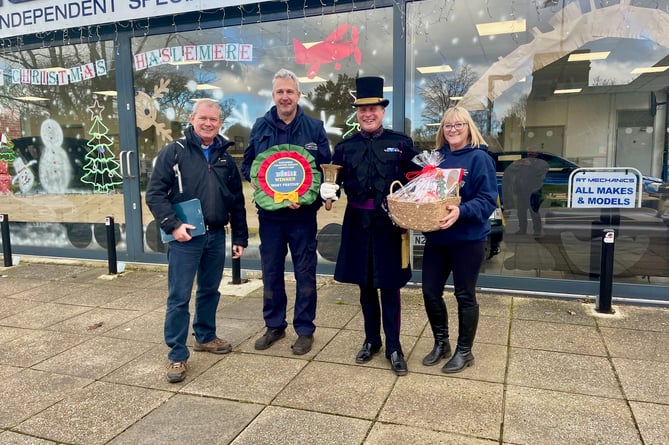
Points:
(61, 118)
(235, 66)
(541, 82)
(58, 118)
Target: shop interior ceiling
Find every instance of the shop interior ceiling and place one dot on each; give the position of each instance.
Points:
(446, 30)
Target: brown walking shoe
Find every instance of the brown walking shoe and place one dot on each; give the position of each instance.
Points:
(176, 371)
(216, 346)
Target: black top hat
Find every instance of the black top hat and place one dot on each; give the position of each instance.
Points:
(369, 91)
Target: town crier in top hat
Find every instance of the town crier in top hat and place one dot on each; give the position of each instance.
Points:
(370, 254)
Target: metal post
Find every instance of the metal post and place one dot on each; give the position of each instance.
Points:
(111, 245)
(6, 243)
(236, 270)
(606, 272)
(665, 151)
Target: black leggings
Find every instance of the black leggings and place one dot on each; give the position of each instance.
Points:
(464, 260)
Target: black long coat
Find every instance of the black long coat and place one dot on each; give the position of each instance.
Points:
(370, 252)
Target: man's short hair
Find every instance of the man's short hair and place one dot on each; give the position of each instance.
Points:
(208, 102)
(286, 74)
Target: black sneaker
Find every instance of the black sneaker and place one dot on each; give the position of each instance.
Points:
(269, 337)
(303, 344)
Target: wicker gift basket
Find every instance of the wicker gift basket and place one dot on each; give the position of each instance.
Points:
(418, 216)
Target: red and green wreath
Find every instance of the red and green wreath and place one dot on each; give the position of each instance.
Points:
(285, 174)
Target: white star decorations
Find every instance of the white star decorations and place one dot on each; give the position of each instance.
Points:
(95, 110)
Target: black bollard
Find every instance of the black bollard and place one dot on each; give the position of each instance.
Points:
(6, 243)
(111, 245)
(236, 269)
(603, 303)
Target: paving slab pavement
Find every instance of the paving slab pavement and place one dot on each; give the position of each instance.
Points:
(82, 361)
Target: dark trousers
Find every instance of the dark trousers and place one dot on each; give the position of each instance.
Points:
(276, 237)
(389, 310)
(529, 204)
(463, 260)
(203, 256)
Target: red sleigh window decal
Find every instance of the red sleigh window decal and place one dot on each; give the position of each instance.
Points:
(331, 50)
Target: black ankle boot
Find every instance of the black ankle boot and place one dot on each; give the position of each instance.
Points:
(441, 349)
(468, 319)
(462, 359)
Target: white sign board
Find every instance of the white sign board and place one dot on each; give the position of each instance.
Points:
(418, 239)
(604, 188)
(20, 17)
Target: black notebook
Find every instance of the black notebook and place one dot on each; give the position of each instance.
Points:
(189, 212)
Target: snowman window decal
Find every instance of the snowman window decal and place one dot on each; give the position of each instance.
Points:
(55, 170)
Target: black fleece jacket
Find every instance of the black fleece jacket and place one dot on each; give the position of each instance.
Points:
(216, 183)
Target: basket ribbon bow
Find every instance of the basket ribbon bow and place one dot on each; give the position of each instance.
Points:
(427, 170)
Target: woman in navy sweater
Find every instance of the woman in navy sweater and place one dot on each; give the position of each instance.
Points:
(459, 245)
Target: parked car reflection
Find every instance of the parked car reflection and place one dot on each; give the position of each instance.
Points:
(556, 182)
(573, 236)
(570, 239)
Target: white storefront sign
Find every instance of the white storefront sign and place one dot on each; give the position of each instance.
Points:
(605, 188)
(20, 17)
(418, 238)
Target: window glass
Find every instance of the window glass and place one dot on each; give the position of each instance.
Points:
(572, 83)
(59, 170)
(235, 65)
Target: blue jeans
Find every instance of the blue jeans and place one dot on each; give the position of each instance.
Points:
(203, 256)
(276, 236)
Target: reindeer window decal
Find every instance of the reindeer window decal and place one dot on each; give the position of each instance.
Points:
(146, 110)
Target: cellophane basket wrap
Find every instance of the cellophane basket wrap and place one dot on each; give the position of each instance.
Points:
(421, 203)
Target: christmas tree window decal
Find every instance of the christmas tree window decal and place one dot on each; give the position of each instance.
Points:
(102, 169)
(352, 125)
(7, 156)
(352, 121)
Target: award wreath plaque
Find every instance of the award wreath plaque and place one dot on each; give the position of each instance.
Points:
(285, 174)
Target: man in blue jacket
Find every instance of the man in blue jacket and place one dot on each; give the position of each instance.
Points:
(197, 166)
(292, 227)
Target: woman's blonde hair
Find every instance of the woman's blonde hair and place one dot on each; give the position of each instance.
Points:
(462, 115)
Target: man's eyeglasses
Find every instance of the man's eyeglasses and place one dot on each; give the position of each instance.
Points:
(457, 125)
